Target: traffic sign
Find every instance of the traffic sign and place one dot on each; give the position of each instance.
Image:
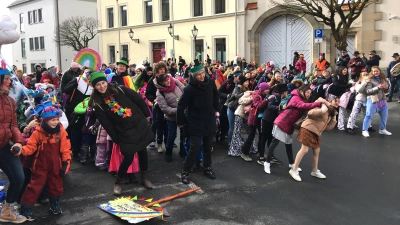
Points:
(318, 33)
(318, 40)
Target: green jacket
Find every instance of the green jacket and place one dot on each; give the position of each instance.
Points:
(81, 107)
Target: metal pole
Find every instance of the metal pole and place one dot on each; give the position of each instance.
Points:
(58, 33)
(194, 48)
(173, 32)
(236, 33)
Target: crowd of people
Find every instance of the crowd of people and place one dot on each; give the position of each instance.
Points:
(112, 116)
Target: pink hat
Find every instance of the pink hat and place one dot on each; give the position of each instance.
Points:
(263, 86)
(75, 65)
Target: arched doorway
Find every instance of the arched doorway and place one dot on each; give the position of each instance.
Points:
(283, 36)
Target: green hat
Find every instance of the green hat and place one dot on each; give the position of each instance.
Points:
(123, 61)
(96, 77)
(195, 70)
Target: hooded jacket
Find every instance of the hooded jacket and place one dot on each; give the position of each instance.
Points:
(168, 97)
(67, 77)
(9, 130)
(373, 61)
(319, 120)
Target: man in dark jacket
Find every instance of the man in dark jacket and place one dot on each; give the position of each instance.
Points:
(343, 60)
(225, 91)
(200, 100)
(393, 80)
(296, 57)
(181, 63)
(69, 75)
(372, 61)
(38, 72)
(356, 65)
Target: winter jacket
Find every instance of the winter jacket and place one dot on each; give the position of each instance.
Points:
(201, 101)
(319, 120)
(322, 65)
(372, 88)
(322, 80)
(141, 80)
(226, 90)
(173, 71)
(75, 96)
(356, 65)
(343, 60)
(67, 77)
(233, 101)
(360, 89)
(101, 136)
(219, 76)
(391, 65)
(168, 100)
(119, 78)
(339, 86)
(258, 105)
(273, 109)
(301, 65)
(8, 121)
(295, 59)
(295, 108)
(151, 90)
(90, 117)
(59, 144)
(132, 133)
(373, 61)
(246, 99)
(38, 76)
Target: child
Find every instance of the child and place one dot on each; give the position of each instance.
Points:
(101, 142)
(52, 161)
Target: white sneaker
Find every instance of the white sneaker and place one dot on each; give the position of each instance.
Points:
(340, 128)
(365, 133)
(318, 174)
(267, 167)
(295, 175)
(385, 132)
(298, 169)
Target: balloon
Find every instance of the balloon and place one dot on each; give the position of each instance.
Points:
(8, 34)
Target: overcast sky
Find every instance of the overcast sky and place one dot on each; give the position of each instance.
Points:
(6, 50)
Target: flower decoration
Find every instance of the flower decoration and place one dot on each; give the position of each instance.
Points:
(116, 108)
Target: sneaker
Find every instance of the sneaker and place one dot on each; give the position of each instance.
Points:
(350, 131)
(55, 208)
(365, 133)
(295, 175)
(28, 214)
(385, 132)
(318, 174)
(185, 177)
(261, 161)
(370, 129)
(340, 128)
(159, 149)
(152, 145)
(267, 167)
(276, 161)
(298, 169)
(246, 158)
(209, 173)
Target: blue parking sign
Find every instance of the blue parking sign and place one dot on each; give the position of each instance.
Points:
(318, 33)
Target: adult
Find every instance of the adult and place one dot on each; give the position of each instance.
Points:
(38, 72)
(373, 60)
(233, 100)
(343, 59)
(70, 74)
(376, 101)
(127, 127)
(121, 74)
(208, 60)
(181, 63)
(393, 80)
(173, 70)
(296, 57)
(322, 64)
(200, 100)
(9, 161)
(19, 74)
(143, 78)
(301, 65)
(169, 91)
(356, 64)
(225, 92)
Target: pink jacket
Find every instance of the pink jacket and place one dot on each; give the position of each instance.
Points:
(101, 136)
(301, 65)
(295, 108)
(258, 105)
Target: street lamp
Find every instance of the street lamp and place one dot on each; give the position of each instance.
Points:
(131, 36)
(194, 33)
(171, 32)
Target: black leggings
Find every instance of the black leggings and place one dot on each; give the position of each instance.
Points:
(271, 149)
(128, 159)
(265, 136)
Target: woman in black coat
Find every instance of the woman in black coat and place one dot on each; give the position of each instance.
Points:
(123, 114)
(200, 100)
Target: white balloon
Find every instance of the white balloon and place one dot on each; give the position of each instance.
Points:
(8, 33)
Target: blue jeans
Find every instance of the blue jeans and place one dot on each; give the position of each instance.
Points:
(12, 167)
(171, 136)
(393, 82)
(370, 111)
(231, 119)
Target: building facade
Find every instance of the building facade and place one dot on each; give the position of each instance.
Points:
(37, 21)
(254, 29)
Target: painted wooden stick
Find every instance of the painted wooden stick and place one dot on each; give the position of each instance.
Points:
(167, 199)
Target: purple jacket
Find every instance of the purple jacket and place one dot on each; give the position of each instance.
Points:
(295, 108)
(257, 105)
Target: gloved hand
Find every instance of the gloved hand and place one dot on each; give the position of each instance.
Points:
(65, 168)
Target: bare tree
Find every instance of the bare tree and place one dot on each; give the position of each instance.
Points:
(76, 32)
(339, 15)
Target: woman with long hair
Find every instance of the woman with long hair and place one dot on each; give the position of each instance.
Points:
(376, 100)
(123, 113)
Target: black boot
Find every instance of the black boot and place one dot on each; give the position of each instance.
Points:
(55, 205)
(84, 154)
(185, 177)
(209, 173)
(168, 155)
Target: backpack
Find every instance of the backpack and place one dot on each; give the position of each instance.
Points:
(395, 71)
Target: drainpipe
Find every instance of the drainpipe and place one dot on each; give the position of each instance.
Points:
(173, 31)
(58, 44)
(119, 33)
(236, 33)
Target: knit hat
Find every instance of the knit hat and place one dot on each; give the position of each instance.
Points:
(242, 79)
(49, 113)
(74, 65)
(237, 73)
(96, 77)
(281, 88)
(263, 86)
(197, 68)
(123, 61)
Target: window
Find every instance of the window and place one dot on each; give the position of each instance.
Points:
(221, 49)
(37, 43)
(40, 15)
(30, 17)
(199, 48)
(21, 22)
(110, 13)
(219, 6)
(31, 45)
(34, 16)
(165, 10)
(125, 51)
(42, 43)
(24, 68)
(124, 15)
(149, 12)
(197, 7)
(23, 51)
(112, 53)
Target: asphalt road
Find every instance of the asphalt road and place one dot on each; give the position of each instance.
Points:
(362, 187)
